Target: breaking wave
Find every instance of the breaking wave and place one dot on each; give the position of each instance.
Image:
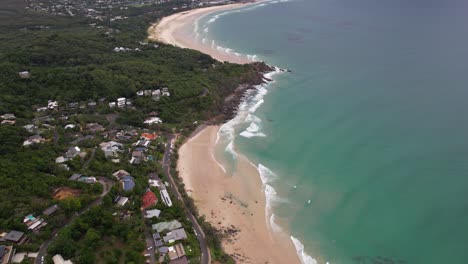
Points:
(305, 259)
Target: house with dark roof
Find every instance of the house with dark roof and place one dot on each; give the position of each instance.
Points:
(17, 237)
(51, 210)
(128, 183)
(149, 199)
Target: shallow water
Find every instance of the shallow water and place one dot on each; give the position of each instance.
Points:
(364, 144)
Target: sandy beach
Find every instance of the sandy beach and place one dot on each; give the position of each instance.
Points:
(177, 30)
(235, 205)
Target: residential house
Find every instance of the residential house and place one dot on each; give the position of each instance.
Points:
(165, 197)
(157, 240)
(149, 199)
(75, 177)
(149, 136)
(33, 223)
(128, 183)
(8, 116)
(153, 120)
(165, 92)
(120, 174)
(137, 157)
(121, 200)
(111, 148)
(112, 104)
(121, 102)
(175, 235)
(61, 159)
(14, 236)
(176, 251)
(87, 179)
(51, 210)
(58, 259)
(74, 105)
(167, 226)
(52, 105)
(72, 152)
(182, 260)
(152, 213)
(6, 253)
(95, 127)
(24, 74)
(41, 109)
(36, 139)
(92, 104)
(8, 122)
(30, 128)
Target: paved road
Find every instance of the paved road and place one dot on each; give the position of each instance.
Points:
(205, 251)
(106, 187)
(149, 241)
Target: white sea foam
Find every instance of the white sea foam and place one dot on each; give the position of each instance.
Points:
(305, 259)
(273, 225)
(230, 149)
(205, 30)
(266, 175)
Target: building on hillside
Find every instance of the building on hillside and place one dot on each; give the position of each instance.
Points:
(152, 213)
(121, 102)
(182, 260)
(166, 226)
(128, 183)
(52, 105)
(8, 116)
(149, 199)
(175, 235)
(111, 149)
(14, 236)
(153, 120)
(120, 174)
(149, 136)
(36, 139)
(33, 223)
(72, 152)
(58, 259)
(121, 200)
(165, 197)
(51, 210)
(176, 251)
(24, 74)
(157, 240)
(6, 253)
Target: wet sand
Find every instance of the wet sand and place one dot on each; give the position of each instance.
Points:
(235, 205)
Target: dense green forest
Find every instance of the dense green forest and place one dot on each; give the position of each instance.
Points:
(70, 61)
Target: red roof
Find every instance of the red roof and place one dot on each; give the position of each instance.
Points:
(149, 136)
(149, 199)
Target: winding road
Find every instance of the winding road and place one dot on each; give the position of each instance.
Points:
(205, 251)
(106, 187)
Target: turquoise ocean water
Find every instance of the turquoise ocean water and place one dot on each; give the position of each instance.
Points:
(364, 146)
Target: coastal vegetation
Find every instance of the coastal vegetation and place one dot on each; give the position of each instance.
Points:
(68, 61)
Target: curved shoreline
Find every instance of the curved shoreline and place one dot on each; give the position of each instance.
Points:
(175, 30)
(234, 204)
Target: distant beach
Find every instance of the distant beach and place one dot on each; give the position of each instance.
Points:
(177, 30)
(235, 204)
